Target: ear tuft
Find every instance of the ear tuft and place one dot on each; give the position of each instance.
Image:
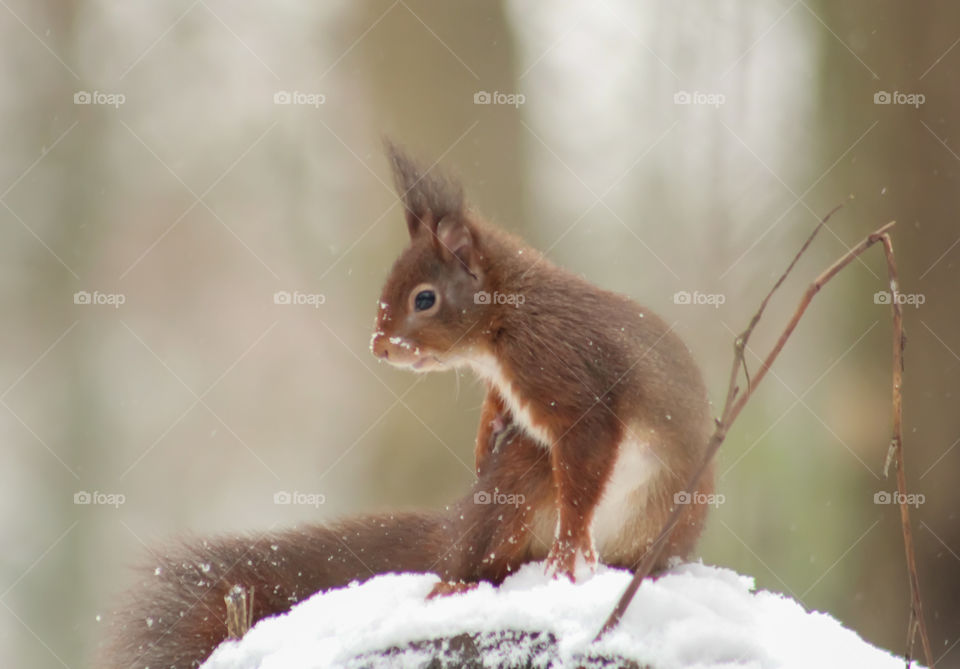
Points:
(428, 196)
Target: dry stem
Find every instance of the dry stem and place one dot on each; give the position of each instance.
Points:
(239, 603)
(735, 403)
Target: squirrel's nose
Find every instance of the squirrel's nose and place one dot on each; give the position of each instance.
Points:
(380, 347)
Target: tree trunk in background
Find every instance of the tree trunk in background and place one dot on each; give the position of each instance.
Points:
(65, 185)
(422, 89)
(903, 172)
(423, 93)
(84, 233)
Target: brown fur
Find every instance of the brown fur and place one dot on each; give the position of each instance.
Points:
(182, 588)
(494, 419)
(588, 369)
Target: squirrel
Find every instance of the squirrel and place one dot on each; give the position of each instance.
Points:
(601, 385)
(594, 417)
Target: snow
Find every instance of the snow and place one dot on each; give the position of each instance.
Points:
(693, 616)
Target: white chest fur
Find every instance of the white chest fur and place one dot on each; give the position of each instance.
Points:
(625, 493)
(489, 368)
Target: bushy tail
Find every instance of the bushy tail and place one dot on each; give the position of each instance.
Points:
(177, 615)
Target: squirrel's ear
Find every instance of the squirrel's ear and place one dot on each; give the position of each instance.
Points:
(427, 195)
(457, 244)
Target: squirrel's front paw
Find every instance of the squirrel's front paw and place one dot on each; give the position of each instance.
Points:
(563, 559)
(447, 588)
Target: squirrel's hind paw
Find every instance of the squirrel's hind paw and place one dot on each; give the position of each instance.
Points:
(447, 588)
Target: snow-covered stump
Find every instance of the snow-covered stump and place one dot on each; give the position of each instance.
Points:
(692, 616)
(507, 648)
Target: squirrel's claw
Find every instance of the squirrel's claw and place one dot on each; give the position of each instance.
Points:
(447, 588)
(563, 558)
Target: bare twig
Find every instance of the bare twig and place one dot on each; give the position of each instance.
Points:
(895, 453)
(735, 403)
(731, 408)
(741, 342)
(239, 603)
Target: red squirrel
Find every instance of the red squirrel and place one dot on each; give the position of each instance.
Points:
(600, 385)
(595, 416)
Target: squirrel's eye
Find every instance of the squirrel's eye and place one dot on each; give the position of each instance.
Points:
(424, 300)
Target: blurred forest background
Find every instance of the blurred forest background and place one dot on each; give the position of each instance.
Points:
(149, 159)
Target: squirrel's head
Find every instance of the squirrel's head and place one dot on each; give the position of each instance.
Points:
(429, 314)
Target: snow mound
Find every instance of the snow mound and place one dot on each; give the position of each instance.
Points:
(692, 616)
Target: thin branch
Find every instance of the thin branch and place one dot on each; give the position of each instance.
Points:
(727, 416)
(741, 342)
(895, 452)
(735, 403)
